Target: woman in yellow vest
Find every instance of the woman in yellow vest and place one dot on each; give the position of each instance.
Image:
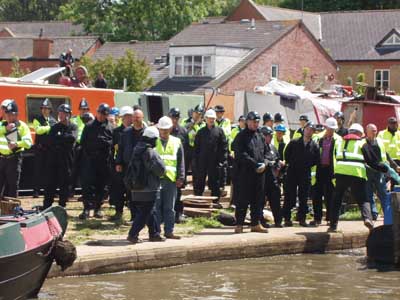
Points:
(171, 152)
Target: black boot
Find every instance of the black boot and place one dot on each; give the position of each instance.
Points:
(98, 214)
(85, 214)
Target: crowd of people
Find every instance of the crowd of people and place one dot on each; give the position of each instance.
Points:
(116, 155)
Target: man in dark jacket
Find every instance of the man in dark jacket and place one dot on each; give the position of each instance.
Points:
(96, 141)
(145, 197)
(41, 125)
(250, 151)
(210, 154)
(129, 138)
(62, 138)
(272, 188)
(118, 193)
(341, 130)
(181, 133)
(300, 155)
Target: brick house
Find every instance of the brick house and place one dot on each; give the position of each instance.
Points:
(359, 41)
(232, 56)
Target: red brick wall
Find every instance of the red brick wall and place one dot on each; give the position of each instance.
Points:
(292, 53)
(6, 65)
(245, 10)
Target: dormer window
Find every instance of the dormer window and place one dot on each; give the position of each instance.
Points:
(193, 66)
(393, 40)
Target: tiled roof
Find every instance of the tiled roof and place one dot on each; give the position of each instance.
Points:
(354, 35)
(233, 34)
(23, 47)
(311, 20)
(50, 29)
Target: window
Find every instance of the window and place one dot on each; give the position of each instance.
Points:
(382, 79)
(178, 66)
(196, 66)
(393, 40)
(274, 71)
(33, 104)
(188, 66)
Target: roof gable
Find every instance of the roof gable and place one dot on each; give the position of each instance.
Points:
(391, 39)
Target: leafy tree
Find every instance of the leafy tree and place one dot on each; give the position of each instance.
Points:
(30, 10)
(16, 70)
(135, 70)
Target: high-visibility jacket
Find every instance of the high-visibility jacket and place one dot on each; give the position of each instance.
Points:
(41, 126)
(226, 126)
(24, 138)
(77, 120)
(235, 131)
(350, 159)
(382, 147)
(391, 142)
(193, 131)
(169, 154)
(317, 137)
(298, 133)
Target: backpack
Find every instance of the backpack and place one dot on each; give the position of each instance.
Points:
(135, 178)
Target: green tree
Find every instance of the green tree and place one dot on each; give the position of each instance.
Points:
(30, 10)
(16, 70)
(129, 67)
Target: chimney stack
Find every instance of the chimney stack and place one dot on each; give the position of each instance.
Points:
(42, 48)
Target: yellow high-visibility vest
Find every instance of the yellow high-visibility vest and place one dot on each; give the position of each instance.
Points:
(350, 160)
(391, 143)
(169, 155)
(24, 140)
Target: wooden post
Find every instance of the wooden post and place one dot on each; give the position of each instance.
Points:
(395, 198)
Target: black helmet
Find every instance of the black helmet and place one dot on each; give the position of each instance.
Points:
(11, 108)
(83, 104)
(104, 109)
(278, 118)
(338, 115)
(303, 118)
(46, 104)
(174, 112)
(310, 124)
(66, 108)
(242, 118)
(319, 127)
(266, 130)
(253, 115)
(199, 108)
(267, 117)
(219, 108)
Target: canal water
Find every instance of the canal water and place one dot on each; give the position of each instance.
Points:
(308, 276)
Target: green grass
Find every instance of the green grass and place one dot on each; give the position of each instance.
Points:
(351, 215)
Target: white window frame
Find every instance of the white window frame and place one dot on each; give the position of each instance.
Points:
(391, 41)
(183, 66)
(382, 80)
(277, 71)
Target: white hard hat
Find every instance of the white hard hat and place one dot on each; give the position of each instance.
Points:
(210, 114)
(151, 132)
(356, 127)
(5, 102)
(164, 123)
(331, 123)
(126, 110)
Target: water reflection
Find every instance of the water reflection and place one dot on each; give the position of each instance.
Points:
(311, 276)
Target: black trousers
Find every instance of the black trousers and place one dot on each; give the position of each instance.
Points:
(58, 175)
(358, 188)
(201, 171)
(76, 167)
(297, 185)
(273, 193)
(118, 194)
(41, 155)
(323, 189)
(178, 203)
(251, 193)
(145, 215)
(95, 174)
(10, 172)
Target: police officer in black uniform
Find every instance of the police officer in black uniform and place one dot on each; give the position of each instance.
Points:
(342, 131)
(272, 188)
(300, 155)
(268, 120)
(250, 153)
(181, 133)
(41, 125)
(62, 138)
(96, 141)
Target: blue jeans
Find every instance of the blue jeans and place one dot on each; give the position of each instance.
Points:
(376, 183)
(165, 205)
